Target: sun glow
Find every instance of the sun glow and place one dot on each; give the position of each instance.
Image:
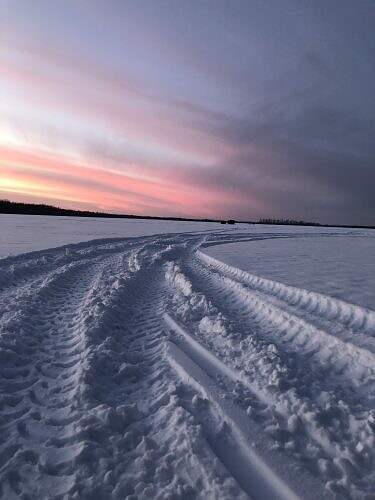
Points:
(17, 186)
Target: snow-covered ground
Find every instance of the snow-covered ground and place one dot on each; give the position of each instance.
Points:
(341, 264)
(144, 367)
(25, 233)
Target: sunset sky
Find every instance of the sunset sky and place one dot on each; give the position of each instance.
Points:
(242, 109)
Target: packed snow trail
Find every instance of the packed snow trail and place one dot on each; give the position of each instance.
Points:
(143, 368)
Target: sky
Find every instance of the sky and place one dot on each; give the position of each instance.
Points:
(236, 109)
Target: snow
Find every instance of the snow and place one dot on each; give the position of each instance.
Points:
(26, 233)
(341, 265)
(161, 363)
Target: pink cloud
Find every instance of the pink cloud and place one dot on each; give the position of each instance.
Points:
(67, 85)
(36, 173)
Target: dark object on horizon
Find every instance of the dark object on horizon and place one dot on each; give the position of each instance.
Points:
(231, 221)
(223, 222)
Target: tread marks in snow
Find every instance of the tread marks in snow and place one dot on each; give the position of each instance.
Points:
(323, 418)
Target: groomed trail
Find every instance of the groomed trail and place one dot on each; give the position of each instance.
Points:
(143, 368)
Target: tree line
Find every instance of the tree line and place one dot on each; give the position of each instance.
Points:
(14, 207)
(291, 222)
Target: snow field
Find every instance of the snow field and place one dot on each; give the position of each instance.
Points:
(337, 263)
(144, 368)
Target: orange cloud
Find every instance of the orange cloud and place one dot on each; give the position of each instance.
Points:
(54, 177)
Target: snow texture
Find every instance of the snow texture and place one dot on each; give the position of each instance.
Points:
(342, 268)
(25, 233)
(144, 367)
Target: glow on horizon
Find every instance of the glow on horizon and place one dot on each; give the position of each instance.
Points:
(58, 178)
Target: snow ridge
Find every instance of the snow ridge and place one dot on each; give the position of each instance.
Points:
(354, 317)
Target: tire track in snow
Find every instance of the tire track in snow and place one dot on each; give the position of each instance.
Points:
(352, 318)
(199, 368)
(305, 397)
(345, 360)
(52, 328)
